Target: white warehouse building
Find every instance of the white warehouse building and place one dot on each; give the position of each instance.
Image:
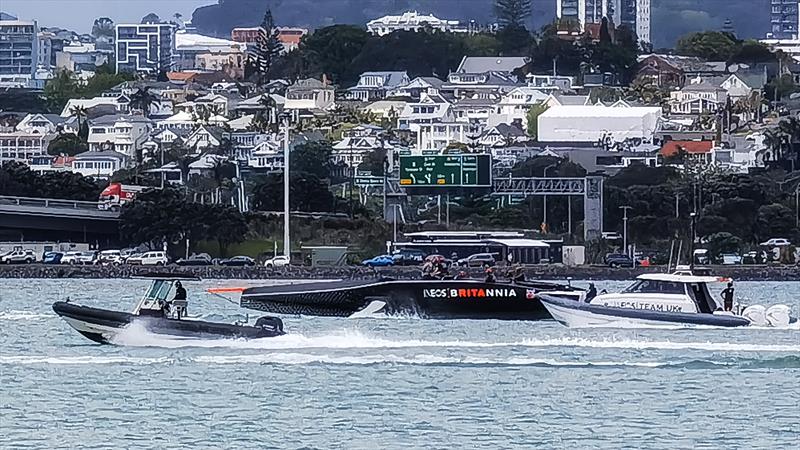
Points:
(596, 123)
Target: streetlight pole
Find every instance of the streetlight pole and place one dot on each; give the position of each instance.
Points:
(625, 228)
(287, 251)
(544, 203)
(692, 215)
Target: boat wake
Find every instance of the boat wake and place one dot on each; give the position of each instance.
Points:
(293, 359)
(24, 315)
(135, 335)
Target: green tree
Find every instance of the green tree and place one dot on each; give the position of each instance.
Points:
(143, 100)
(331, 50)
(512, 13)
(775, 220)
(67, 144)
(533, 119)
(710, 45)
(60, 89)
(103, 27)
(374, 162)
(17, 179)
(313, 158)
(268, 47)
(307, 192)
(779, 87)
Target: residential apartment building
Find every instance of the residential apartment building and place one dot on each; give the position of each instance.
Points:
(633, 13)
(99, 163)
(19, 53)
(146, 47)
(23, 146)
(784, 19)
(288, 36)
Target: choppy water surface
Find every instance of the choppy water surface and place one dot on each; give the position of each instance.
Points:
(391, 383)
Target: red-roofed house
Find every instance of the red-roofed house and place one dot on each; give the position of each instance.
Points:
(699, 151)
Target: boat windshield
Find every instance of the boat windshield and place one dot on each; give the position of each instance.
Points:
(655, 287)
(159, 290)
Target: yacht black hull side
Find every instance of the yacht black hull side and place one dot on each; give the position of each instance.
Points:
(430, 299)
(102, 325)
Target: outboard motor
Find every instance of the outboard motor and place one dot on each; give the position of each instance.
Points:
(778, 316)
(756, 314)
(270, 323)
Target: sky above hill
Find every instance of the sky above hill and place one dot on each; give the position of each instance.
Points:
(79, 15)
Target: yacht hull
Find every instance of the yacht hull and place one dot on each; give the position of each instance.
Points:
(584, 315)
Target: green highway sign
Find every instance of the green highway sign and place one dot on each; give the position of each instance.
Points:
(446, 171)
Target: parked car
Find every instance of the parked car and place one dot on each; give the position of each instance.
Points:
(408, 257)
(110, 257)
(82, 258)
(157, 258)
(198, 259)
(701, 256)
(52, 258)
(478, 260)
(618, 260)
(237, 261)
(278, 261)
(728, 259)
(776, 242)
(379, 261)
(753, 258)
(19, 257)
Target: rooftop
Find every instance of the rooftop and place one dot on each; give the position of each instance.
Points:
(479, 64)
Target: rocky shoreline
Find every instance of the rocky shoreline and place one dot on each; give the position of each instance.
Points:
(549, 272)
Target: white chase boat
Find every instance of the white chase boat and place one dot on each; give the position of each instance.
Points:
(662, 300)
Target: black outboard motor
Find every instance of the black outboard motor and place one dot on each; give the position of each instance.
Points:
(270, 323)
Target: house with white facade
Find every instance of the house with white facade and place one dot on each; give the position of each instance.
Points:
(267, 155)
(311, 95)
(47, 124)
(183, 119)
(697, 98)
(513, 107)
(435, 137)
(99, 163)
(481, 83)
(549, 82)
(742, 85)
(209, 104)
(475, 109)
(501, 135)
(416, 87)
(413, 21)
(118, 103)
(352, 149)
(121, 133)
(387, 109)
(557, 99)
(429, 109)
(205, 136)
(375, 85)
(598, 124)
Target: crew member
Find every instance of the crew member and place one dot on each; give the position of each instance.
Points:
(518, 274)
(727, 297)
(591, 293)
(180, 292)
(179, 301)
(490, 276)
(461, 275)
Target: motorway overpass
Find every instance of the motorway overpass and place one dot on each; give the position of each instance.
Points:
(56, 219)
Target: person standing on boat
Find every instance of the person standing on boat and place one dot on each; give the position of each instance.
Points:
(490, 278)
(727, 295)
(591, 293)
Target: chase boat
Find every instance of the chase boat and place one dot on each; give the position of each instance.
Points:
(662, 300)
(429, 299)
(103, 325)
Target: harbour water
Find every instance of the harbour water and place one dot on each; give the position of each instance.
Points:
(391, 382)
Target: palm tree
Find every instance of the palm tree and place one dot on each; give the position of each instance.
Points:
(183, 157)
(143, 99)
(79, 113)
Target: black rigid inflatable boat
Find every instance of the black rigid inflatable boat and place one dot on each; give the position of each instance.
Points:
(103, 325)
(430, 299)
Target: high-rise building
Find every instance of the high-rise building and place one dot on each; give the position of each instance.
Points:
(633, 13)
(146, 47)
(784, 19)
(19, 51)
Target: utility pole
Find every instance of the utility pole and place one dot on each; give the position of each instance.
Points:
(692, 215)
(287, 251)
(625, 227)
(569, 215)
(677, 205)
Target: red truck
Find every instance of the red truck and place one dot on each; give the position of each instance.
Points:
(116, 195)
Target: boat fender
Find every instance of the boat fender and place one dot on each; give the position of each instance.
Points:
(756, 314)
(270, 323)
(778, 316)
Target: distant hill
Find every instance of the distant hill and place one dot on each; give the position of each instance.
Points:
(670, 18)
